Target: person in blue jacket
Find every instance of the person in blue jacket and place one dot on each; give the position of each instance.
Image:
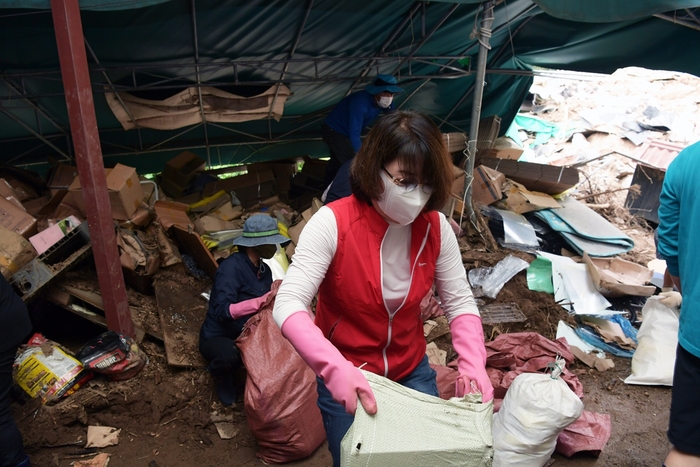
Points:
(679, 221)
(342, 129)
(15, 327)
(241, 285)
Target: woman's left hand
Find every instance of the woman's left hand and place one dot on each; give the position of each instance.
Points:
(468, 341)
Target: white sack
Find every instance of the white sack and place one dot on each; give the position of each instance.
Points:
(537, 407)
(655, 357)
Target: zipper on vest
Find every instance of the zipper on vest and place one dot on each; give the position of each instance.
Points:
(392, 314)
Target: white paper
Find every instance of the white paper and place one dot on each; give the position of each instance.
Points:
(573, 287)
(564, 330)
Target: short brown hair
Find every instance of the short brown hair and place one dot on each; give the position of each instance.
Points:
(416, 142)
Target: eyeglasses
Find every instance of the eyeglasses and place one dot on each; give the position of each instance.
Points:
(409, 185)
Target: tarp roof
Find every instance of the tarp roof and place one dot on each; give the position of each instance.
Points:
(321, 50)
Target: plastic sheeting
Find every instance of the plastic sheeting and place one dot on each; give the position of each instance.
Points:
(585, 230)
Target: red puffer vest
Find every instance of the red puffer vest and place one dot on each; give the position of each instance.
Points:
(350, 309)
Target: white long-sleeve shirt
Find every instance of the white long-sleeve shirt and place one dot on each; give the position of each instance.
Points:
(316, 249)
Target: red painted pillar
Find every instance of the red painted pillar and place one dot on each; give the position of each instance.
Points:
(88, 155)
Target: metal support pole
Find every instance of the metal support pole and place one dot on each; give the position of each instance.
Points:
(483, 36)
(199, 80)
(88, 156)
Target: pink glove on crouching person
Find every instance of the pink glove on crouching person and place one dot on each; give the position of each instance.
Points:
(247, 307)
(345, 382)
(468, 341)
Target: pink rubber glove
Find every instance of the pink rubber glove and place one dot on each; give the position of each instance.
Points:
(345, 382)
(468, 341)
(247, 307)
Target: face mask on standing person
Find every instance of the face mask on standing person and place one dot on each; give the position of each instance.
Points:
(385, 101)
(403, 203)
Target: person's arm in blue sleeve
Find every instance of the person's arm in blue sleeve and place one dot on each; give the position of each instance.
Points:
(669, 216)
(225, 291)
(357, 109)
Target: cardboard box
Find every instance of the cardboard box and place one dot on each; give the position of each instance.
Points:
(7, 192)
(16, 219)
(520, 200)
(61, 176)
(615, 277)
(486, 187)
(170, 213)
(182, 169)
(15, 252)
(283, 171)
(295, 230)
(206, 224)
(228, 212)
(124, 188)
(506, 148)
(249, 188)
(170, 188)
(34, 206)
(314, 168)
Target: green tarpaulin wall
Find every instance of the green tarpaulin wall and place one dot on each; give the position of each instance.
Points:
(150, 48)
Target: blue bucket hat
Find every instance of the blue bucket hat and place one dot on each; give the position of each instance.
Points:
(383, 83)
(260, 230)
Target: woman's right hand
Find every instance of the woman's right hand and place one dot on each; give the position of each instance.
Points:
(345, 382)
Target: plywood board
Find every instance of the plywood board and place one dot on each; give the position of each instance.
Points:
(181, 315)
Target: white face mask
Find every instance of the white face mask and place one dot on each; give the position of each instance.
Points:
(385, 102)
(401, 207)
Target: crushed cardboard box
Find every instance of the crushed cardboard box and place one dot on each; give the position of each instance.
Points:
(615, 277)
(169, 213)
(521, 200)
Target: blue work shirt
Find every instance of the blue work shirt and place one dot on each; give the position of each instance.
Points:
(237, 279)
(352, 114)
(679, 224)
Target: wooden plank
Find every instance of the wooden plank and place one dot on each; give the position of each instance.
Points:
(181, 315)
(646, 203)
(191, 243)
(92, 300)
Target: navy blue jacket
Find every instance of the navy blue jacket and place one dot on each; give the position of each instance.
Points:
(340, 188)
(352, 114)
(236, 280)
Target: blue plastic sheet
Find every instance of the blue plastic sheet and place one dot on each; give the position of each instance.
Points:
(588, 335)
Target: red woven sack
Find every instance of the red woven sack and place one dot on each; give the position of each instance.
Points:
(280, 391)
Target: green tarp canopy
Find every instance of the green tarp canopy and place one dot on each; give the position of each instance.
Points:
(320, 50)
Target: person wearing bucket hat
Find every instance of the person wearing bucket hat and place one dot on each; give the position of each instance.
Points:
(342, 128)
(241, 285)
(370, 259)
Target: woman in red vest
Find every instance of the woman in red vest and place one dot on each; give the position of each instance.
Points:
(372, 257)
